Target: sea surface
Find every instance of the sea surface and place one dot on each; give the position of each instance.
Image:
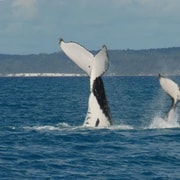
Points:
(41, 133)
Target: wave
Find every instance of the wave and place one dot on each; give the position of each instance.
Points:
(121, 127)
(156, 123)
(66, 126)
(48, 127)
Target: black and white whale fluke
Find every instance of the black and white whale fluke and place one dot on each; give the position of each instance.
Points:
(173, 90)
(98, 114)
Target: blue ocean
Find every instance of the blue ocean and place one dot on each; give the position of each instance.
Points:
(41, 133)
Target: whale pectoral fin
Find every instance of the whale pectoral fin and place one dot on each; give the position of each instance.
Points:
(170, 87)
(172, 106)
(172, 90)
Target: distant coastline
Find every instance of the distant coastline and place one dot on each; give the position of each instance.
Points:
(148, 62)
(28, 75)
(41, 75)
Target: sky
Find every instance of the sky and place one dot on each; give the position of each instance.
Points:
(35, 26)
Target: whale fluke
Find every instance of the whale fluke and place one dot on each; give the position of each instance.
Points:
(78, 54)
(98, 114)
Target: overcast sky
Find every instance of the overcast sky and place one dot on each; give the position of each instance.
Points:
(35, 26)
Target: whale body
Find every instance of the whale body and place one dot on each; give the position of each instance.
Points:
(173, 90)
(98, 114)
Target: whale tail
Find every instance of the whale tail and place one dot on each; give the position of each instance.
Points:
(98, 114)
(173, 90)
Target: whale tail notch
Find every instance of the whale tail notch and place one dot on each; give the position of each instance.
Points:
(173, 90)
(98, 114)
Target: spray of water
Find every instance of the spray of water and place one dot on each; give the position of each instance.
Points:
(170, 122)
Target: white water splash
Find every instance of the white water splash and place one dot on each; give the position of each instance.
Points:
(63, 126)
(56, 127)
(170, 122)
(121, 127)
(114, 127)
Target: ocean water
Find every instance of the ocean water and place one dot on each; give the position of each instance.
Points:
(41, 133)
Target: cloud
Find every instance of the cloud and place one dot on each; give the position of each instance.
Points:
(160, 5)
(118, 23)
(24, 9)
